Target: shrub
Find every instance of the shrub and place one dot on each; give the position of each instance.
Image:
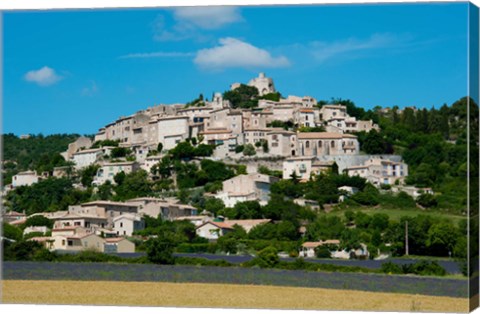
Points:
(249, 150)
(391, 268)
(322, 252)
(427, 200)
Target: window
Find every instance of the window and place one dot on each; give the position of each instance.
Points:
(306, 118)
(70, 243)
(332, 144)
(307, 144)
(63, 242)
(275, 137)
(121, 224)
(319, 143)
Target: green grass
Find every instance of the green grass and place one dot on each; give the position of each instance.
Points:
(396, 214)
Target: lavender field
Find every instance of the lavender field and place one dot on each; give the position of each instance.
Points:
(233, 275)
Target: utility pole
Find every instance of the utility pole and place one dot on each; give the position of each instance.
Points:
(406, 237)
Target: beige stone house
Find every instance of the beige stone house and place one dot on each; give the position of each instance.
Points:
(118, 245)
(169, 210)
(25, 178)
(213, 230)
(282, 143)
(254, 186)
(325, 143)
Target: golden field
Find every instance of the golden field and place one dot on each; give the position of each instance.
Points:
(219, 295)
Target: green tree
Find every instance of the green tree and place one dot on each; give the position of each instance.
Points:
(160, 250)
(322, 252)
(242, 97)
(203, 150)
(374, 143)
(183, 150)
(135, 184)
(87, 174)
(249, 150)
(427, 200)
(441, 240)
(214, 205)
(11, 232)
(39, 221)
(267, 258)
(119, 152)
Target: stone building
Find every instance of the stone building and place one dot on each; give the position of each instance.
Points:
(325, 143)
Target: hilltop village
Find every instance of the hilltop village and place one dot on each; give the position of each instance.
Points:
(232, 147)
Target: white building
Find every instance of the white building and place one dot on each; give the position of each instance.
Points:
(87, 157)
(108, 171)
(25, 178)
(127, 224)
(213, 230)
(246, 187)
(380, 171)
(301, 166)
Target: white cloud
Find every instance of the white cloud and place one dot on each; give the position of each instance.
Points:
(190, 20)
(323, 51)
(211, 17)
(236, 53)
(159, 54)
(90, 90)
(44, 77)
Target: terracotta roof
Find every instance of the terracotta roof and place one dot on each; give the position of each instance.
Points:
(220, 225)
(306, 110)
(18, 222)
(320, 243)
(14, 213)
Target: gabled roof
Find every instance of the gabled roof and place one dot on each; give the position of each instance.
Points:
(220, 225)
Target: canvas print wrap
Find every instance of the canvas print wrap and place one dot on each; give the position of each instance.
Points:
(306, 157)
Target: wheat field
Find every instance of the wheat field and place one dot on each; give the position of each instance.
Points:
(218, 296)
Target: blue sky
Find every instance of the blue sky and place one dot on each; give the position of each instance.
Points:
(75, 71)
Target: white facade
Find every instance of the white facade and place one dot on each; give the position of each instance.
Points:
(253, 186)
(108, 171)
(213, 230)
(302, 166)
(127, 224)
(26, 178)
(380, 171)
(263, 84)
(85, 158)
